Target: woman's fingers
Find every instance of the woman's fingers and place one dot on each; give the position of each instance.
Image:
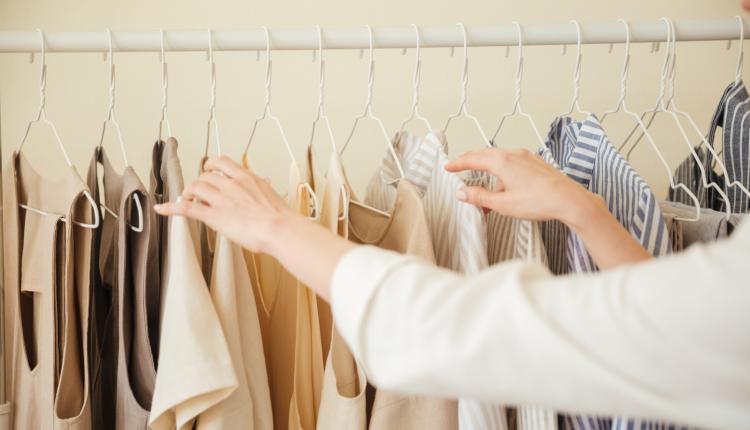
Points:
(482, 197)
(225, 165)
(203, 191)
(486, 160)
(183, 208)
(226, 185)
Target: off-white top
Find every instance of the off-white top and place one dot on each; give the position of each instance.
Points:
(666, 339)
(195, 365)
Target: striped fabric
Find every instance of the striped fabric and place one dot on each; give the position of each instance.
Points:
(731, 115)
(459, 233)
(509, 239)
(736, 129)
(458, 229)
(466, 241)
(585, 154)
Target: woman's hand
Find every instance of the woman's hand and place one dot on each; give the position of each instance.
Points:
(529, 188)
(234, 202)
(244, 208)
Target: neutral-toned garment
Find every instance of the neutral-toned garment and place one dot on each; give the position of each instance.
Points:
(249, 405)
(511, 239)
(458, 230)
(307, 388)
(47, 294)
(290, 329)
(403, 230)
(343, 402)
(711, 226)
(407, 323)
(123, 365)
(583, 151)
(195, 368)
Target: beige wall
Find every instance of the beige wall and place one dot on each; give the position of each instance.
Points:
(77, 89)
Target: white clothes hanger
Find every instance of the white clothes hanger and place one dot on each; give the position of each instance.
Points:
(414, 112)
(267, 112)
(320, 111)
(322, 117)
(212, 120)
(369, 114)
(41, 117)
(574, 104)
(164, 121)
(268, 115)
(623, 106)
(662, 106)
(624, 74)
(111, 118)
(672, 105)
(517, 108)
(462, 109)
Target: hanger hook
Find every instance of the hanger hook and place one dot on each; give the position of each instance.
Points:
(465, 68)
(667, 58)
(579, 58)
(321, 70)
(626, 61)
(268, 65)
(741, 53)
(42, 72)
(371, 72)
(111, 61)
(417, 65)
(519, 64)
(164, 86)
(212, 72)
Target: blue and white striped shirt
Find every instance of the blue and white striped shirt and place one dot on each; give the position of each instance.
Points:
(582, 150)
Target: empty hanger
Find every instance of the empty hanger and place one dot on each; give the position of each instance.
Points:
(623, 106)
(268, 115)
(164, 121)
(111, 118)
(368, 114)
(517, 108)
(462, 109)
(41, 117)
(414, 112)
(574, 104)
(212, 120)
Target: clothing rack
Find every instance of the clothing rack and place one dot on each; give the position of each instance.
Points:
(357, 37)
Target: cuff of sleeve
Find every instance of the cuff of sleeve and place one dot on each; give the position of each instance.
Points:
(356, 279)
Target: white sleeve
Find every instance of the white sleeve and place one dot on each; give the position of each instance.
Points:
(667, 339)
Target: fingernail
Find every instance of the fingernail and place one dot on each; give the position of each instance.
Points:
(158, 207)
(461, 195)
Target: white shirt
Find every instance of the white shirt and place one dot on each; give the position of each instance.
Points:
(666, 339)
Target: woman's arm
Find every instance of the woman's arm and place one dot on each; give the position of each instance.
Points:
(245, 208)
(665, 339)
(655, 340)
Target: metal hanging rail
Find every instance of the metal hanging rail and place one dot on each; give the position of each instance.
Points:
(357, 37)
